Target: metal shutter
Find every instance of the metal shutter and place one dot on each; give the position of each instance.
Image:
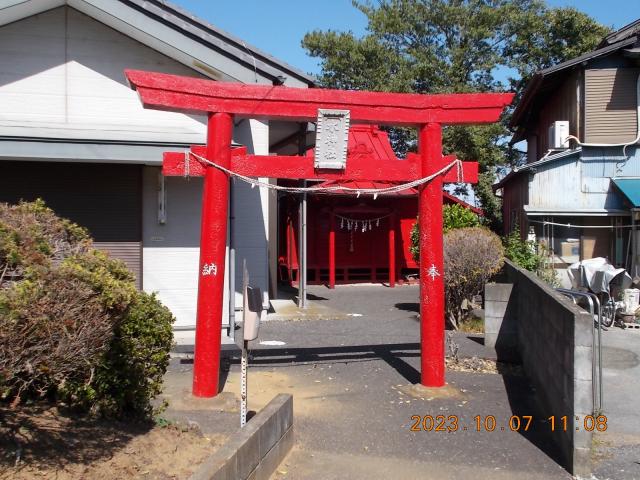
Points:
(610, 105)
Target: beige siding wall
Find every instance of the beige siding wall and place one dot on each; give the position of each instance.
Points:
(610, 105)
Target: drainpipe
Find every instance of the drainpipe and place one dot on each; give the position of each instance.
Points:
(232, 264)
(302, 228)
(634, 243)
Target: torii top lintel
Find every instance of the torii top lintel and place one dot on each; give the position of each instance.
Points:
(178, 93)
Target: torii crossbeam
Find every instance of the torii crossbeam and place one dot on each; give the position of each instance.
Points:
(223, 101)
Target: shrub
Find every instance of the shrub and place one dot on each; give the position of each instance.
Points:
(53, 330)
(530, 256)
(72, 323)
(521, 252)
(457, 216)
(453, 216)
(130, 373)
(471, 257)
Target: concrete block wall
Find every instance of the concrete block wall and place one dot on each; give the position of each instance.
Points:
(553, 340)
(500, 327)
(255, 451)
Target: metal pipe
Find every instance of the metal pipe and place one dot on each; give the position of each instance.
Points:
(599, 307)
(634, 245)
(332, 249)
(302, 241)
(302, 228)
(596, 383)
(392, 250)
(232, 265)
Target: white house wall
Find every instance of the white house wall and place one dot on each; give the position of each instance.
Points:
(251, 212)
(62, 76)
(171, 250)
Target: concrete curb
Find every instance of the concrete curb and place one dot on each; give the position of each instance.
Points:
(254, 452)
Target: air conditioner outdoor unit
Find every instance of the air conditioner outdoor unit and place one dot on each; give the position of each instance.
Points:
(558, 133)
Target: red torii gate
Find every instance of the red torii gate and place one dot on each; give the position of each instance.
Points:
(223, 101)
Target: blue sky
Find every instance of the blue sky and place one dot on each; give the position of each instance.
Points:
(277, 26)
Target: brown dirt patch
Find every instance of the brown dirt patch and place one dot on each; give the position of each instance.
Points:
(315, 392)
(481, 365)
(39, 442)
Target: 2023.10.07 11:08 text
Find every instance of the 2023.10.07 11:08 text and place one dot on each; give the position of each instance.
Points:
(515, 423)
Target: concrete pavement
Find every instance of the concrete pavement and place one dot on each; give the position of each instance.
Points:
(617, 451)
(353, 417)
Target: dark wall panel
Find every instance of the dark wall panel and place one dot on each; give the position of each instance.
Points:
(106, 199)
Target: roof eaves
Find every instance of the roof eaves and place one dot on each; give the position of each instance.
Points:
(506, 179)
(533, 165)
(630, 29)
(212, 36)
(462, 203)
(528, 95)
(549, 159)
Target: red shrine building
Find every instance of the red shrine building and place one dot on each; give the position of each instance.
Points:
(367, 239)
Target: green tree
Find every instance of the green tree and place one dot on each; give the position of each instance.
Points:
(444, 46)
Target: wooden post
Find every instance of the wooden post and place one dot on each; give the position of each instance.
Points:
(431, 259)
(332, 250)
(213, 243)
(392, 250)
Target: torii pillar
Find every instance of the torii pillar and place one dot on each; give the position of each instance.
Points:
(224, 100)
(431, 258)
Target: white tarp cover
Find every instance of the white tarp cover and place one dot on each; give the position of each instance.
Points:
(597, 274)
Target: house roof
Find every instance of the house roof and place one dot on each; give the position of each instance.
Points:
(176, 33)
(450, 199)
(564, 154)
(548, 78)
(632, 28)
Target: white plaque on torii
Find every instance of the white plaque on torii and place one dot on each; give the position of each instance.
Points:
(332, 138)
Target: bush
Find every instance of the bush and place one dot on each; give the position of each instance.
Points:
(457, 216)
(471, 257)
(53, 330)
(521, 252)
(130, 373)
(453, 216)
(530, 256)
(73, 326)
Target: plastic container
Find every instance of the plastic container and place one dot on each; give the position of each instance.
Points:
(631, 299)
